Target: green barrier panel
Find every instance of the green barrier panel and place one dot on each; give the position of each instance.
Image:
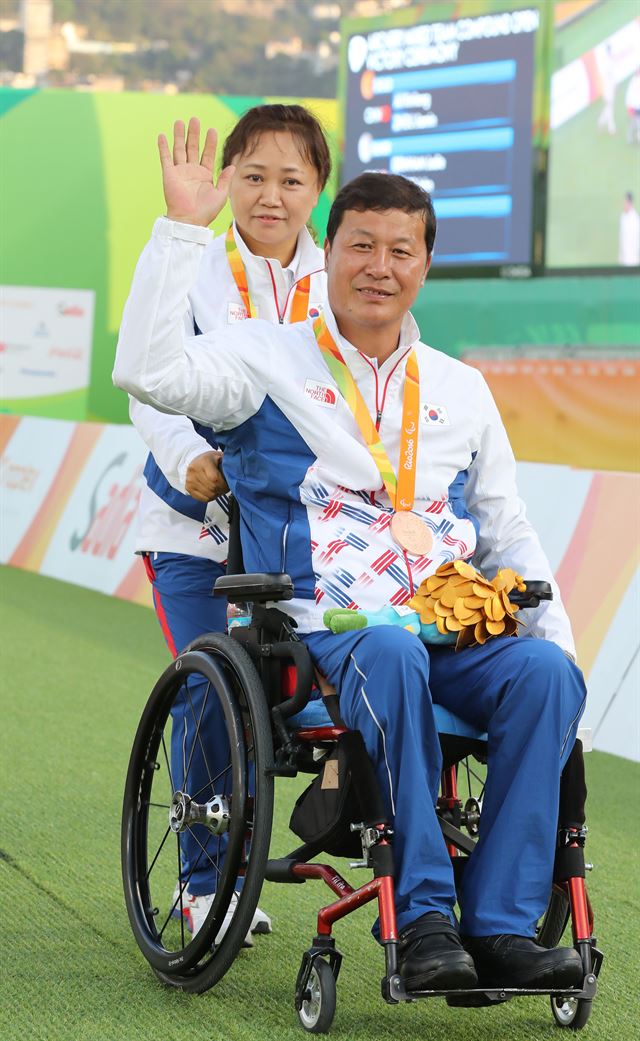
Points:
(586, 311)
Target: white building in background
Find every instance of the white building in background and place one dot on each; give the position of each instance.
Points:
(36, 21)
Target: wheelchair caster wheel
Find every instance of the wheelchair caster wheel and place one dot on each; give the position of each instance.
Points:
(319, 1000)
(571, 1012)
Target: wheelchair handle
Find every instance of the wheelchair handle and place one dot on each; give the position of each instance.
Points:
(304, 676)
(533, 594)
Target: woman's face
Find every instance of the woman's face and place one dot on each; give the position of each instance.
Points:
(272, 194)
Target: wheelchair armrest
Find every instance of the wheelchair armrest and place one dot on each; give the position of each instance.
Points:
(533, 594)
(257, 589)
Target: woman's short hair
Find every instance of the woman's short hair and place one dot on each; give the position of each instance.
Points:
(289, 119)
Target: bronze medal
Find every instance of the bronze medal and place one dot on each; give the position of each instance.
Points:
(411, 533)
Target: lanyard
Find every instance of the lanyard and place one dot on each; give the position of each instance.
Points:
(300, 304)
(401, 490)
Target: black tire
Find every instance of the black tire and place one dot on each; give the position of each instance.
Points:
(241, 674)
(319, 1003)
(553, 923)
(151, 851)
(571, 1013)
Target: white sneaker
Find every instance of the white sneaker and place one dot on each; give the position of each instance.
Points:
(261, 923)
(196, 908)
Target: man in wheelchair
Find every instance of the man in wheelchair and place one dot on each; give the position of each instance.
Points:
(363, 460)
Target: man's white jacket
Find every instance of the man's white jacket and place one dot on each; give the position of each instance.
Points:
(311, 497)
(169, 520)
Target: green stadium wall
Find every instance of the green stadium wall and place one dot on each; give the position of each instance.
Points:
(80, 188)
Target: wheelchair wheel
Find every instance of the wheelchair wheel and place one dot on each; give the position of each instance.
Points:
(216, 814)
(552, 925)
(571, 1012)
(319, 1001)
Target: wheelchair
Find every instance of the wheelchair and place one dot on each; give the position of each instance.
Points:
(257, 683)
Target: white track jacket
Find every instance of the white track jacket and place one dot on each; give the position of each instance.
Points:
(169, 520)
(311, 496)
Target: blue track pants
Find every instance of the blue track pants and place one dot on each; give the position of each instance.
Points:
(528, 696)
(186, 608)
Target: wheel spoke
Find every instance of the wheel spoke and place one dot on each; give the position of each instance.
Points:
(158, 852)
(175, 904)
(196, 736)
(204, 850)
(166, 759)
(181, 888)
(212, 782)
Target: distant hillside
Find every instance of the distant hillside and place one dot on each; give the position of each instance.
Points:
(266, 47)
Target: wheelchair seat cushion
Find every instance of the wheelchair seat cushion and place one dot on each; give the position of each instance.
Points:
(315, 714)
(448, 723)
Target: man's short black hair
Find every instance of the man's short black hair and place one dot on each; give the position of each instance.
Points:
(382, 191)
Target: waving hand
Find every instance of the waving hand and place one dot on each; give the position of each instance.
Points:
(189, 190)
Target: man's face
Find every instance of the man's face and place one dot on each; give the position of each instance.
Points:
(375, 266)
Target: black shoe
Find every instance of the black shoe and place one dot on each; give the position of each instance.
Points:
(431, 956)
(518, 961)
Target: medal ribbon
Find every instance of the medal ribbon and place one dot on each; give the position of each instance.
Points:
(400, 489)
(300, 304)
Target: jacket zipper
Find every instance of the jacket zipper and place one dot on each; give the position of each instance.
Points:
(275, 292)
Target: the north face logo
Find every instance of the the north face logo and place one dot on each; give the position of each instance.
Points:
(320, 393)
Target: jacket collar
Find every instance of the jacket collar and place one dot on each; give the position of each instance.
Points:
(306, 259)
(409, 333)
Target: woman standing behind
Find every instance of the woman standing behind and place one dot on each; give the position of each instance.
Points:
(266, 266)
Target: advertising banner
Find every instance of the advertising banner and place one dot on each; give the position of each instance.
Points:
(69, 495)
(582, 411)
(28, 467)
(45, 345)
(93, 541)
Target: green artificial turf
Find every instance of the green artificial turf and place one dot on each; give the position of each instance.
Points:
(76, 668)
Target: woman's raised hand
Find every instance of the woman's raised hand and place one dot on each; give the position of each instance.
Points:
(187, 177)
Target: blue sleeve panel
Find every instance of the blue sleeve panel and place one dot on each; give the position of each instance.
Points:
(457, 499)
(270, 458)
(159, 484)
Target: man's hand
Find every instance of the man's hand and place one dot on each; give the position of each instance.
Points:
(205, 480)
(189, 191)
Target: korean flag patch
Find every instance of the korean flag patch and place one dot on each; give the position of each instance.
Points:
(435, 415)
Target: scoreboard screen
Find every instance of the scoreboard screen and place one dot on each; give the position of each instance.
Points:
(450, 106)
